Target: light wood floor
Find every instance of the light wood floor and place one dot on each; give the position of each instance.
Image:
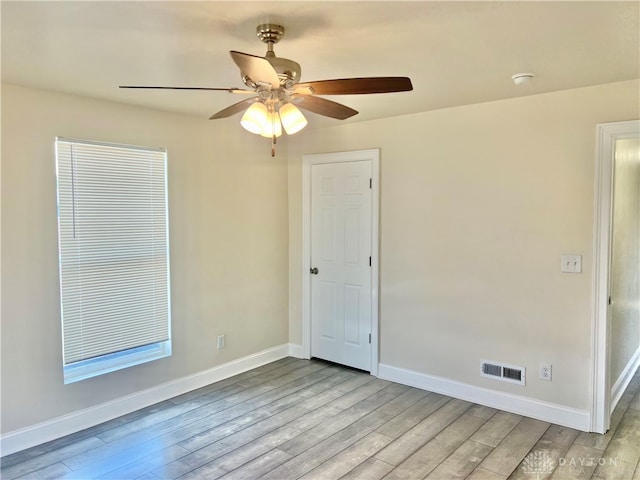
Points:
(309, 419)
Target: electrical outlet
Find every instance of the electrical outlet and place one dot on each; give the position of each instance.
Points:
(220, 341)
(545, 371)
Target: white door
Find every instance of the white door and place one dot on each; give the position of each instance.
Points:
(341, 219)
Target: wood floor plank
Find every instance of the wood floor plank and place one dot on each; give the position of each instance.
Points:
(281, 366)
(360, 394)
(103, 466)
(553, 446)
(370, 469)
(192, 461)
(50, 472)
(404, 401)
(248, 414)
(234, 380)
(147, 476)
(506, 457)
(257, 440)
(347, 387)
(209, 471)
(49, 458)
(623, 452)
(404, 446)
(334, 376)
(275, 376)
(481, 411)
(464, 460)
(113, 455)
(315, 417)
(598, 441)
(498, 427)
(424, 460)
(146, 464)
(618, 470)
(319, 453)
(578, 463)
(413, 415)
(59, 443)
(349, 458)
(260, 466)
(227, 442)
(218, 412)
(372, 400)
(483, 474)
(195, 419)
(168, 413)
(251, 450)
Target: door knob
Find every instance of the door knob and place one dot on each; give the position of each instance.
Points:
(314, 271)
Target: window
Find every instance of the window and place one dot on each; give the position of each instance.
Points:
(114, 256)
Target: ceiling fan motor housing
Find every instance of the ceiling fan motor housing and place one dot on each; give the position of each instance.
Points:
(270, 33)
(288, 71)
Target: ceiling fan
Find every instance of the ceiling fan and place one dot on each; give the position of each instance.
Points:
(277, 94)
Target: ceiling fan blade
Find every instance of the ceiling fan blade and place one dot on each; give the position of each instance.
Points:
(356, 86)
(233, 109)
(323, 106)
(230, 90)
(256, 68)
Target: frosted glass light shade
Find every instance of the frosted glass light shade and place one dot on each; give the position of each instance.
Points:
(292, 118)
(255, 118)
(272, 121)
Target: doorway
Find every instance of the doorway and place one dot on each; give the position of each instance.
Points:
(340, 258)
(613, 284)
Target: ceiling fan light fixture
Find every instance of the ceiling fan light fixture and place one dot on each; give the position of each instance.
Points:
(255, 118)
(272, 124)
(292, 118)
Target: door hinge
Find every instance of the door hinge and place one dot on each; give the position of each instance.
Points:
(371, 183)
(369, 338)
(369, 261)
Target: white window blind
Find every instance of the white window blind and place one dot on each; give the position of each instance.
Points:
(114, 256)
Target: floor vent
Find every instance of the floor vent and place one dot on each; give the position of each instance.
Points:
(500, 371)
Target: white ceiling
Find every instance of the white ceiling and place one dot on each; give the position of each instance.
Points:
(454, 52)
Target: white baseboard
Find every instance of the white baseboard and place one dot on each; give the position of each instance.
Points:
(296, 351)
(529, 407)
(64, 425)
(623, 380)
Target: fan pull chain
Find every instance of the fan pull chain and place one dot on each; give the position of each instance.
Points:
(273, 131)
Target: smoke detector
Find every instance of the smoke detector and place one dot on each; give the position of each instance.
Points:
(522, 78)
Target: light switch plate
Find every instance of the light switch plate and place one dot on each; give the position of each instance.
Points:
(571, 263)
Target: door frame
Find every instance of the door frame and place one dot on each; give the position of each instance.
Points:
(606, 136)
(372, 155)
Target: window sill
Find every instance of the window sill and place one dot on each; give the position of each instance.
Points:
(115, 361)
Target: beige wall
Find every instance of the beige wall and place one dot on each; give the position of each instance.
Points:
(228, 222)
(477, 205)
(625, 258)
